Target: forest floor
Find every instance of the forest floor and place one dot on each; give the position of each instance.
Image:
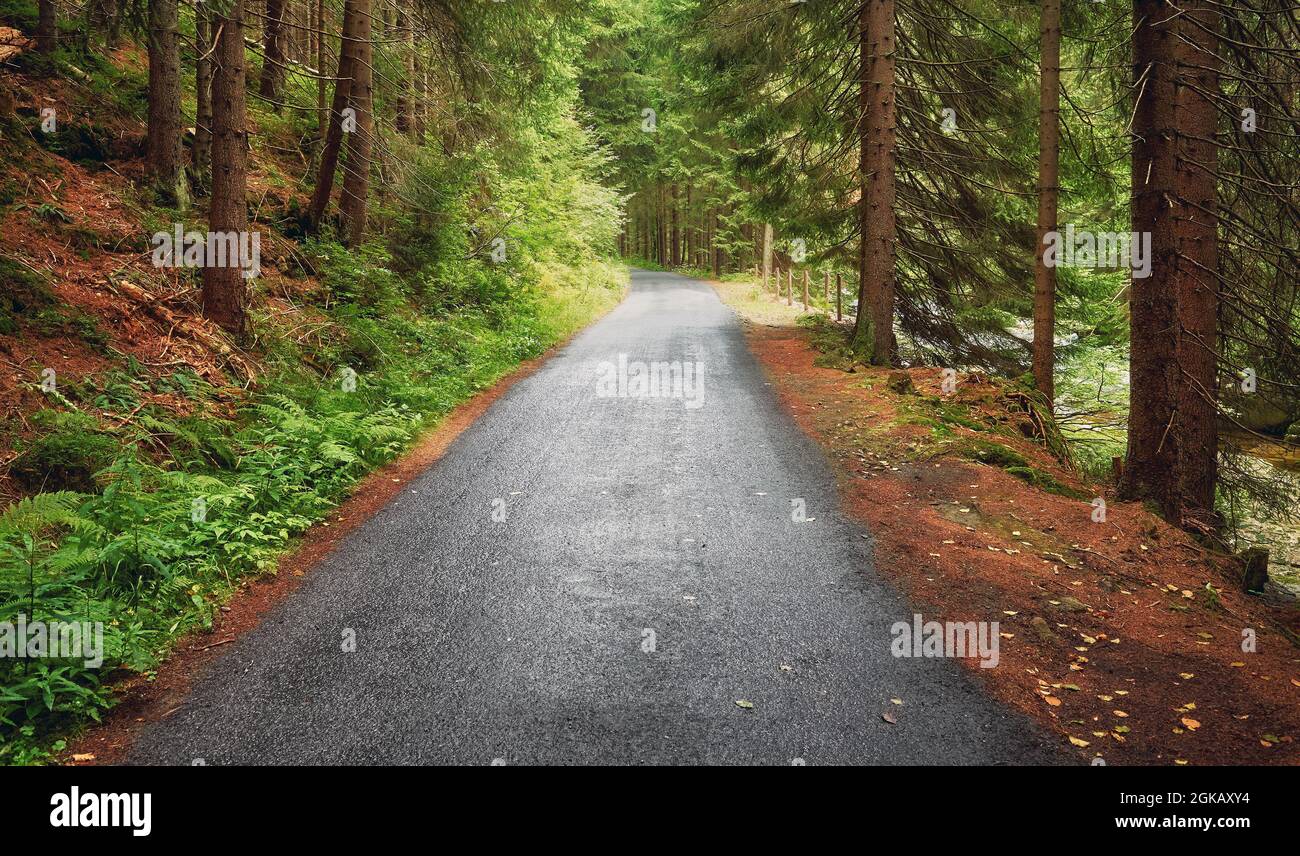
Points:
(1123, 635)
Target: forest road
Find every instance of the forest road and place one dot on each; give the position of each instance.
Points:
(589, 576)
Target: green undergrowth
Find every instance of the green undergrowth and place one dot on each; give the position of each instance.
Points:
(149, 522)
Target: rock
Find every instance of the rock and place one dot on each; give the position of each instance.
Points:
(1255, 573)
(1043, 630)
(901, 382)
(1260, 413)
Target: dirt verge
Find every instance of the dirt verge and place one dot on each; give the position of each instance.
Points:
(1119, 633)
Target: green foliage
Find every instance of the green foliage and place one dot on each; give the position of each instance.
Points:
(69, 451)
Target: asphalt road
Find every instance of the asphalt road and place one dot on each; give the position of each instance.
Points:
(647, 575)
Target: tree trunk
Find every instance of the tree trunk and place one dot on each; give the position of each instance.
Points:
(1172, 440)
(274, 41)
(163, 143)
(876, 211)
(321, 118)
(223, 287)
(676, 256)
(405, 119)
(329, 157)
(717, 247)
(688, 229)
(202, 160)
(1049, 138)
(47, 26)
(767, 252)
(356, 168)
(1198, 260)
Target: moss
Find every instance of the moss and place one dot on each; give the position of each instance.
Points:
(955, 414)
(23, 294)
(1044, 481)
(1017, 465)
(993, 454)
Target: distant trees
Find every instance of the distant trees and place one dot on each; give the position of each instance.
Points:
(333, 139)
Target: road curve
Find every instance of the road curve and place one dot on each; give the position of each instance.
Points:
(642, 573)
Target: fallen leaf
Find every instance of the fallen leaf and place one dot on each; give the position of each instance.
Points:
(1078, 741)
(745, 703)
(1191, 724)
(889, 717)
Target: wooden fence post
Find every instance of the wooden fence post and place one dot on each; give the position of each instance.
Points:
(789, 286)
(839, 297)
(805, 289)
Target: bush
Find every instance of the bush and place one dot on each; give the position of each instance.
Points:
(68, 453)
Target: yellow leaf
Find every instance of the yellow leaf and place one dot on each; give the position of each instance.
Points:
(1119, 713)
(1052, 700)
(1191, 724)
(1078, 741)
(745, 703)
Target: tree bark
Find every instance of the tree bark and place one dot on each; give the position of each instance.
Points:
(718, 258)
(329, 157)
(767, 252)
(877, 154)
(405, 109)
(202, 156)
(47, 26)
(321, 118)
(676, 256)
(1172, 442)
(1049, 140)
(1198, 260)
(223, 287)
(356, 167)
(274, 42)
(163, 141)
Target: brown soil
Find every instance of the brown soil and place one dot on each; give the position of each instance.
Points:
(1124, 637)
